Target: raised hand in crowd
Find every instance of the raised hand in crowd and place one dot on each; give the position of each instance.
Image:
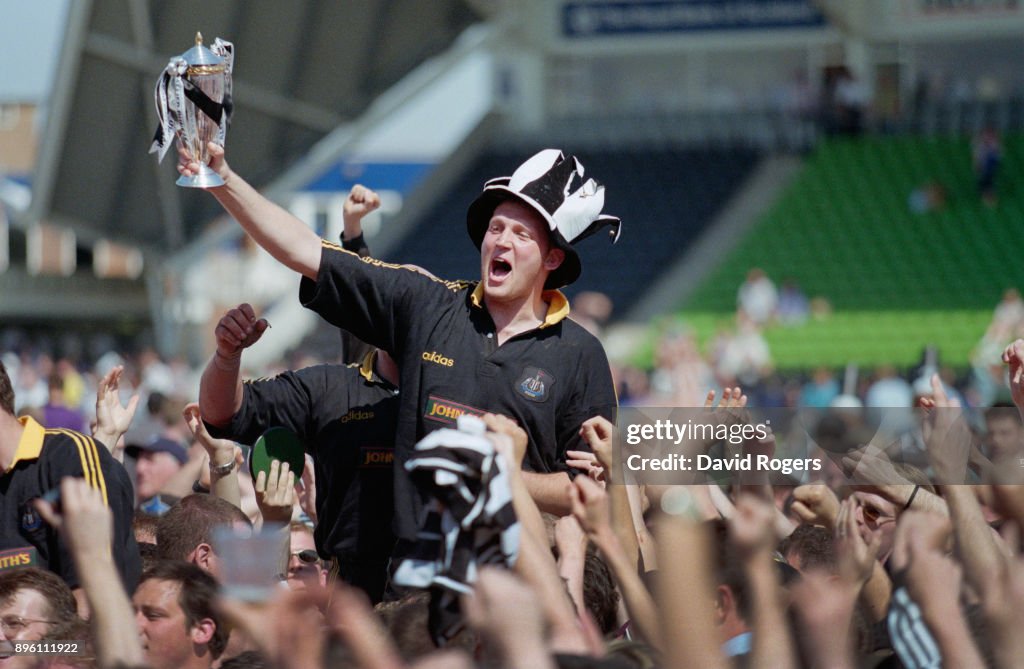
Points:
(870, 465)
(220, 454)
(571, 544)
(858, 561)
(510, 442)
(685, 595)
(536, 565)
(732, 398)
(731, 408)
(290, 628)
(1013, 356)
(597, 432)
(591, 509)
(933, 582)
(757, 482)
(275, 497)
(504, 611)
(751, 529)
(752, 532)
(275, 493)
(825, 607)
(113, 418)
(816, 504)
(627, 520)
(856, 558)
(287, 629)
(307, 489)
(1003, 609)
(934, 531)
(947, 436)
(518, 440)
(86, 525)
(612, 533)
(825, 603)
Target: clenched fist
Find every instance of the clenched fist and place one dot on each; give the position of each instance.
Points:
(360, 202)
(238, 329)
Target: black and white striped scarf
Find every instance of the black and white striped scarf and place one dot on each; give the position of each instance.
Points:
(469, 521)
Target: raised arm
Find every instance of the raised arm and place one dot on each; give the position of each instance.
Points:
(505, 612)
(933, 581)
(275, 497)
(825, 606)
(1013, 356)
(590, 506)
(220, 389)
(571, 544)
(290, 241)
(947, 440)
(220, 454)
(598, 432)
(816, 504)
(112, 418)
(360, 202)
(752, 531)
(536, 564)
(86, 525)
(685, 592)
(858, 563)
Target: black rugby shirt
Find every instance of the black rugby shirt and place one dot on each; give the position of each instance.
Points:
(549, 379)
(346, 416)
(42, 459)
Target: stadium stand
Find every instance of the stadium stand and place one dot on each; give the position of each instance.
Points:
(844, 230)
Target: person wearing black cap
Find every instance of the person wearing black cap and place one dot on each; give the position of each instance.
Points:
(501, 345)
(157, 460)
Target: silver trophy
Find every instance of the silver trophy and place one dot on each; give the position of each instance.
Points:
(193, 103)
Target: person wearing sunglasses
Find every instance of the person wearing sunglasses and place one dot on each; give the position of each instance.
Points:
(876, 518)
(305, 570)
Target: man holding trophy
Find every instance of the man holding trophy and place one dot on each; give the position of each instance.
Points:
(539, 367)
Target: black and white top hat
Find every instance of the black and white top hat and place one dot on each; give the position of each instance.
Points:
(552, 184)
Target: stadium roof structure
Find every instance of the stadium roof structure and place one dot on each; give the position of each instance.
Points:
(302, 68)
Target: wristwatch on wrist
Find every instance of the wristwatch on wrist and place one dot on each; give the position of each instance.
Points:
(224, 469)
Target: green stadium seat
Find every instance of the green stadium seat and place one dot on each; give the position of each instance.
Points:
(843, 230)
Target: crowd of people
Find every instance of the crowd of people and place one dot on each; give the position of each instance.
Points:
(460, 502)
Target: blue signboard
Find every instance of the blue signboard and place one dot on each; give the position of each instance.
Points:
(340, 177)
(624, 17)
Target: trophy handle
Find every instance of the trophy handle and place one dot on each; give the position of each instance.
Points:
(206, 178)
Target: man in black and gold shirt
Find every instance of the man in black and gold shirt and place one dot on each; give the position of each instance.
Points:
(345, 415)
(33, 460)
(502, 345)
